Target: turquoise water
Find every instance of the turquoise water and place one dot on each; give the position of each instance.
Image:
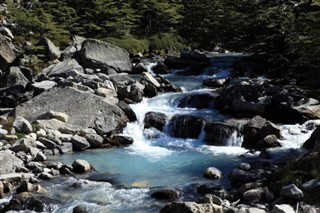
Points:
(162, 161)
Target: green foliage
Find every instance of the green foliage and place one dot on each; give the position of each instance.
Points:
(132, 45)
(284, 34)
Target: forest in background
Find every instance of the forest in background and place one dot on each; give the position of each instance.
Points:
(283, 35)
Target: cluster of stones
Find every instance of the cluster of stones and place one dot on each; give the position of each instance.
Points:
(250, 192)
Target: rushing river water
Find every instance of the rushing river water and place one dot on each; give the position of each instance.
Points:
(161, 161)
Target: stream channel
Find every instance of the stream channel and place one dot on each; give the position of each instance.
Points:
(157, 160)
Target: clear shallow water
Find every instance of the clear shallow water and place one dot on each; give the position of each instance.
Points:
(161, 161)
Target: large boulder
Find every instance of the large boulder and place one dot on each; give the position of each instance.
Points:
(61, 68)
(97, 54)
(84, 109)
(7, 55)
(81, 166)
(51, 51)
(314, 141)
(291, 192)
(185, 126)
(9, 162)
(221, 134)
(256, 130)
(15, 78)
(155, 119)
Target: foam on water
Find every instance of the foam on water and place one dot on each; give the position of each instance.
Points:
(295, 135)
(98, 196)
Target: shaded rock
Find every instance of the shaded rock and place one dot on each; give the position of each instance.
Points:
(291, 192)
(149, 90)
(61, 69)
(119, 140)
(22, 125)
(81, 166)
(84, 110)
(139, 68)
(253, 195)
(25, 186)
(95, 140)
(244, 91)
(80, 209)
(283, 208)
(26, 201)
(15, 80)
(241, 176)
(218, 134)
(155, 119)
(127, 110)
(48, 143)
(150, 79)
(132, 92)
(185, 126)
(314, 141)
(97, 54)
(194, 56)
(212, 188)
(191, 207)
(212, 173)
(173, 62)
(215, 82)
(51, 51)
(9, 162)
(160, 68)
(240, 105)
(257, 129)
(79, 143)
(165, 194)
(45, 176)
(7, 55)
(199, 101)
(40, 157)
(311, 186)
(267, 142)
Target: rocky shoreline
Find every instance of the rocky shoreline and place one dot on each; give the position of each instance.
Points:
(82, 101)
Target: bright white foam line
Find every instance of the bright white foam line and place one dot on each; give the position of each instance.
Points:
(294, 136)
(142, 146)
(103, 196)
(221, 150)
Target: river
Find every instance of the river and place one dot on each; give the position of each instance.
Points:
(157, 160)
